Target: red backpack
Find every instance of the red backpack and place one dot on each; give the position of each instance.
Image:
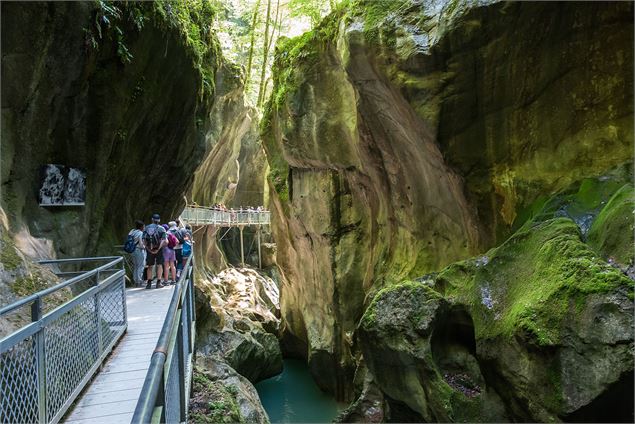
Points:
(172, 240)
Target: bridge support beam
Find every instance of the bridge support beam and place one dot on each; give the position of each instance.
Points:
(259, 254)
(242, 245)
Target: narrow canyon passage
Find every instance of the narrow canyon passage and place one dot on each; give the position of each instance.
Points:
(397, 210)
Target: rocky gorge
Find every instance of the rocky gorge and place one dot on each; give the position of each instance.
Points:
(451, 187)
(404, 137)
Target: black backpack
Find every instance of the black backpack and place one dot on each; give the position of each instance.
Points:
(151, 236)
(177, 233)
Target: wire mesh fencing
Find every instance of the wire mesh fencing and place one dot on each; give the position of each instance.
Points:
(45, 365)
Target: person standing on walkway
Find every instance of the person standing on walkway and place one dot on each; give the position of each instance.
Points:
(169, 256)
(154, 239)
(178, 249)
(187, 244)
(139, 253)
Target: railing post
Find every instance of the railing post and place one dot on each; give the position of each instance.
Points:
(100, 336)
(242, 249)
(259, 254)
(36, 315)
(192, 304)
(180, 347)
(123, 298)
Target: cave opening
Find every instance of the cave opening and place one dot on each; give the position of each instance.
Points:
(454, 352)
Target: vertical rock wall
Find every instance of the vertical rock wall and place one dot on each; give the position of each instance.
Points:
(139, 126)
(392, 155)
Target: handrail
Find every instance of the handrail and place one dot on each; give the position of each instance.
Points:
(158, 401)
(6, 309)
(46, 364)
(208, 216)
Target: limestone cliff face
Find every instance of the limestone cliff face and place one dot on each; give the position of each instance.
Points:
(233, 173)
(398, 145)
(121, 95)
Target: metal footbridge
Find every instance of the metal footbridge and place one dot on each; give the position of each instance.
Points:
(203, 215)
(206, 216)
(106, 354)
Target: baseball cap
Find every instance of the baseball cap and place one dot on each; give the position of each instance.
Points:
(156, 217)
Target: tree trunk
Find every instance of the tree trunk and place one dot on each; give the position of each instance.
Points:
(264, 55)
(276, 24)
(251, 45)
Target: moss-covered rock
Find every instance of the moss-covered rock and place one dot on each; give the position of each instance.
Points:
(220, 395)
(538, 329)
(420, 350)
(403, 136)
(612, 232)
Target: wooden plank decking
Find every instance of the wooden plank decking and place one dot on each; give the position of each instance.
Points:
(112, 395)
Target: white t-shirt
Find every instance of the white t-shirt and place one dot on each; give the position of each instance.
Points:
(138, 237)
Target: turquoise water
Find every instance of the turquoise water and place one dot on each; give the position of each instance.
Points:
(293, 397)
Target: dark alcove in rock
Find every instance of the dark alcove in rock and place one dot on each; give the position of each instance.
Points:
(454, 352)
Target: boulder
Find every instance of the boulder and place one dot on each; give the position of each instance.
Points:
(221, 395)
(237, 311)
(537, 329)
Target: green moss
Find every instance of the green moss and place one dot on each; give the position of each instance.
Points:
(192, 20)
(580, 201)
(554, 396)
(611, 234)
(407, 291)
(296, 56)
(376, 13)
(8, 254)
(213, 402)
(29, 284)
(278, 176)
(532, 281)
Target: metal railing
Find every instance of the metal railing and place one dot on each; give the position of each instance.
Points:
(208, 216)
(46, 364)
(166, 391)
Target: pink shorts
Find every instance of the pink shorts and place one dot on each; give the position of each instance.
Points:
(169, 255)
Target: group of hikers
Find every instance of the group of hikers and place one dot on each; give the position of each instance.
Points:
(160, 250)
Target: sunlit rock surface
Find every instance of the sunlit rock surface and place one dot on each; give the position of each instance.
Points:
(400, 143)
(238, 316)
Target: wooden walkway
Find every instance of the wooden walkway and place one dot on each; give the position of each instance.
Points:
(112, 395)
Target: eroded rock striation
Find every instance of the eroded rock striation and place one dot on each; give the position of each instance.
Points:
(402, 139)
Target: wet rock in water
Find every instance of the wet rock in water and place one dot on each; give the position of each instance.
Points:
(221, 395)
(237, 311)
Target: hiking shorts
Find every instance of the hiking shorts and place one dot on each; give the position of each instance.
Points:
(154, 258)
(168, 254)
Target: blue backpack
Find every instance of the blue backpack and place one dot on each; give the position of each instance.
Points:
(187, 248)
(130, 245)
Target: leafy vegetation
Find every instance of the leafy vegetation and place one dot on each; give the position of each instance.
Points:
(192, 19)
